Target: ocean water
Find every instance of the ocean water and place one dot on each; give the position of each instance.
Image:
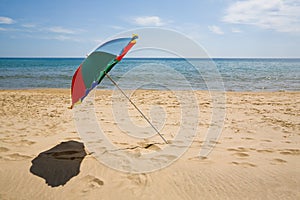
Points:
(159, 73)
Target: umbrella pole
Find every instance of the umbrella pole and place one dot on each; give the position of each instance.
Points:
(136, 107)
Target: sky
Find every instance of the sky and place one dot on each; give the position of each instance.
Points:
(224, 28)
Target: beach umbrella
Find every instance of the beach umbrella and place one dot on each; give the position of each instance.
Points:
(97, 65)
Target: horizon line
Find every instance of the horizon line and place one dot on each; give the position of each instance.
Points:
(75, 57)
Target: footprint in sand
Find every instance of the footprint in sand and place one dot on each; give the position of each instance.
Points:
(17, 157)
(265, 150)
(247, 138)
(231, 149)
(202, 159)
(3, 149)
(279, 160)
(288, 142)
(244, 164)
(241, 154)
(239, 149)
(91, 182)
(266, 140)
(293, 152)
(26, 142)
(139, 179)
(242, 149)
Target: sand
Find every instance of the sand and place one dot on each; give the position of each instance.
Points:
(256, 157)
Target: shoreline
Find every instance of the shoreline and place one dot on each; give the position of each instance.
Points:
(226, 91)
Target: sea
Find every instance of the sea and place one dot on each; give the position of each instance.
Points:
(228, 74)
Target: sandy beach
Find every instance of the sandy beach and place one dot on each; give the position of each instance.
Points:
(256, 157)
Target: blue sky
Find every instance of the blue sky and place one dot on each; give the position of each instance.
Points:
(225, 28)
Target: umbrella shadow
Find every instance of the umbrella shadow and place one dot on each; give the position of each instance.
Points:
(60, 163)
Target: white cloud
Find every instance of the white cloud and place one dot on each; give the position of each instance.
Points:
(148, 21)
(216, 30)
(6, 20)
(65, 38)
(28, 25)
(282, 16)
(3, 29)
(58, 29)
